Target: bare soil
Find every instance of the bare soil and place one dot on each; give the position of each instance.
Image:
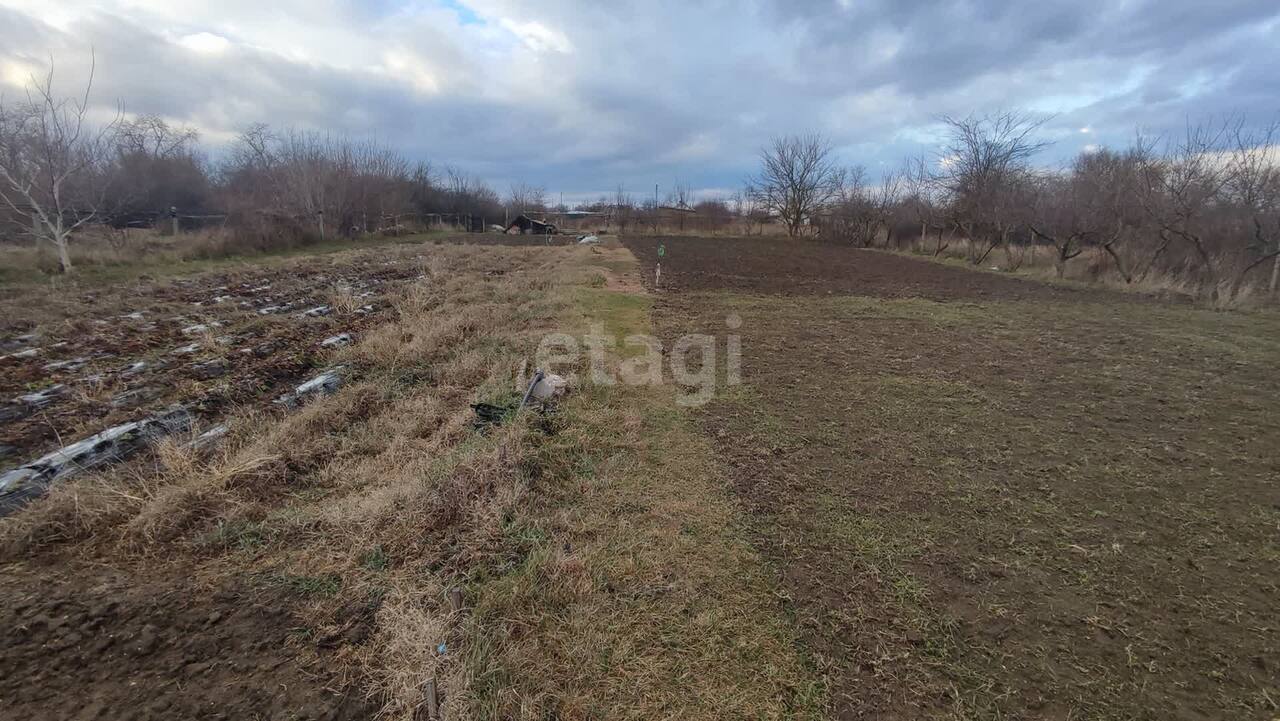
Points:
(1007, 506)
(801, 267)
(83, 644)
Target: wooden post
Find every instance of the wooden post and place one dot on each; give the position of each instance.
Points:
(433, 704)
(455, 599)
(173, 215)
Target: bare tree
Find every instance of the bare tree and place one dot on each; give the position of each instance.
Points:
(851, 215)
(155, 167)
(623, 208)
(985, 170)
(1253, 190)
(1182, 186)
(920, 196)
(1062, 216)
(52, 162)
(524, 197)
(797, 178)
(1104, 190)
(150, 135)
(680, 196)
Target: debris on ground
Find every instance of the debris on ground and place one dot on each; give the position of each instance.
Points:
(336, 341)
(200, 328)
(26, 353)
(114, 444)
(65, 365)
(210, 438)
(326, 383)
(316, 312)
(588, 239)
(42, 398)
(549, 386)
(134, 368)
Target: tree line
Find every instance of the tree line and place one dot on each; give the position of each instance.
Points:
(1203, 206)
(61, 173)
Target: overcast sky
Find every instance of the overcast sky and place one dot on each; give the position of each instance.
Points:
(579, 96)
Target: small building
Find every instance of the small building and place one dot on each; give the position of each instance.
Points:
(524, 225)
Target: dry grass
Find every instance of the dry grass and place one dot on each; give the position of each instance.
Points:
(109, 256)
(1095, 268)
(600, 556)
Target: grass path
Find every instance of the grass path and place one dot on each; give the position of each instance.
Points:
(639, 596)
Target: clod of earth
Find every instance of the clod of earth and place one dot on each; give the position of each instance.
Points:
(114, 444)
(322, 385)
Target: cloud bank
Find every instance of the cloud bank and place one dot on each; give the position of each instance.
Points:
(580, 96)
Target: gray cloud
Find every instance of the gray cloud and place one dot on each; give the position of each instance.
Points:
(580, 96)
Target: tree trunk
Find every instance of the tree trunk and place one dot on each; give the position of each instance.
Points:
(64, 257)
(1211, 273)
(1234, 290)
(1124, 273)
(1165, 240)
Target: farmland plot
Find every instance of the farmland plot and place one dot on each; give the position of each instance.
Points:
(990, 498)
(305, 561)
